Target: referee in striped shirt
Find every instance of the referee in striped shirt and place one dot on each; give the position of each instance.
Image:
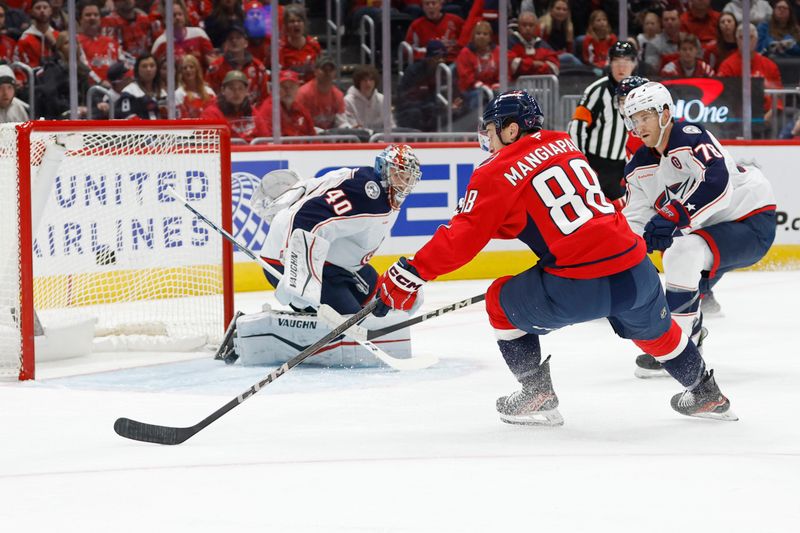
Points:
(597, 127)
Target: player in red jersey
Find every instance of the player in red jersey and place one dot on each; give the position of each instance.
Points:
(539, 188)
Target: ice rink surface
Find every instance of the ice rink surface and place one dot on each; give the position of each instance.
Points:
(373, 450)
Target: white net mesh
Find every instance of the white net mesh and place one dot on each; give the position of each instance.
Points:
(9, 255)
(109, 243)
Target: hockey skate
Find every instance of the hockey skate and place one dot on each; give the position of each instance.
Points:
(704, 401)
(710, 304)
(648, 367)
(535, 405)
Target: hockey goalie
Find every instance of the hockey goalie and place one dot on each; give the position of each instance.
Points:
(323, 232)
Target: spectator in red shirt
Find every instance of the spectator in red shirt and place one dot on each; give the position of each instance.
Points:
(295, 119)
(599, 40)
(299, 51)
(700, 20)
(188, 39)
(688, 65)
(323, 100)
(435, 25)
(478, 65)
(481, 10)
(37, 43)
(760, 67)
(195, 11)
(234, 107)
(101, 51)
(130, 27)
(236, 57)
(193, 95)
(529, 55)
(725, 44)
(7, 44)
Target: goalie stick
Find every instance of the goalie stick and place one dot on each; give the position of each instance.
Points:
(332, 318)
(141, 431)
(413, 363)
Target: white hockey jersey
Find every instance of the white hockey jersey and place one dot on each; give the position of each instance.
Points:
(347, 207)
(699, 173)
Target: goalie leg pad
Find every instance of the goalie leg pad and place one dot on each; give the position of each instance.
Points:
(274, 337)
(303, 261)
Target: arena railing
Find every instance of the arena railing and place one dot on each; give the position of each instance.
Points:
(427, 136)
(484, 97)
(333, 26)
(567, 105)
(95, 90)
(404, 50)
(545, 89)
(444, 82)
(366, 28)
(786, 96)
(300, 139)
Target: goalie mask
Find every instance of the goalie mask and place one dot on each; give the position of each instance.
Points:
(398, 168)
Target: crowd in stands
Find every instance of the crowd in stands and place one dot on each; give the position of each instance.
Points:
(223, 56)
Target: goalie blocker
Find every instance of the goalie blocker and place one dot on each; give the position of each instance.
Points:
(273, 337)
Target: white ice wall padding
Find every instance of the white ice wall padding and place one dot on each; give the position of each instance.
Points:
(111, 245)
(9, 256)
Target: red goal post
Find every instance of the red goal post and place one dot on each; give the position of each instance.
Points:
(91, 238)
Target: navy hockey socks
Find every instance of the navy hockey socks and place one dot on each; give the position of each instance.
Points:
(523, 356)
(688, 368)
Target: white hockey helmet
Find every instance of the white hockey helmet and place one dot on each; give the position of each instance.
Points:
(650, 96)
(398, 168)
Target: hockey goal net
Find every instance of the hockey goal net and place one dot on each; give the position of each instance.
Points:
(91, 240)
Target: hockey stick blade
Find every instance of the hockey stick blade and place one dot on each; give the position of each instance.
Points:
(330, 317)
(131, 429)
(134, 430)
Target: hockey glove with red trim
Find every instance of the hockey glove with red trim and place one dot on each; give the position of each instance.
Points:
(659, 232)
(397, 287)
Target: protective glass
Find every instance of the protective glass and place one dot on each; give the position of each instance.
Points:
(483, 136)
(639, 119)
(483, 139)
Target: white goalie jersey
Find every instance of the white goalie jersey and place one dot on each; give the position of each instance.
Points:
(348, 208)
(699, 173)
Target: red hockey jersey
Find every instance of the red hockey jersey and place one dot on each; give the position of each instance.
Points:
(542, 191)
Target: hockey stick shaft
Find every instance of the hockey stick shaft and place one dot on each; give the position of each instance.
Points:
(131, 429)
(397, 364)
(375, 333)
(230, 238)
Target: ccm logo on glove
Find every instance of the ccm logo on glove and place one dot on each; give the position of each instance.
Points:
(397, 287)
(401, 278)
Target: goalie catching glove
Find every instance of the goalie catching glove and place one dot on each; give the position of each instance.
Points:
(398, 288)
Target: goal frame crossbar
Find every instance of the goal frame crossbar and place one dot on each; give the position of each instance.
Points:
(25, 237)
